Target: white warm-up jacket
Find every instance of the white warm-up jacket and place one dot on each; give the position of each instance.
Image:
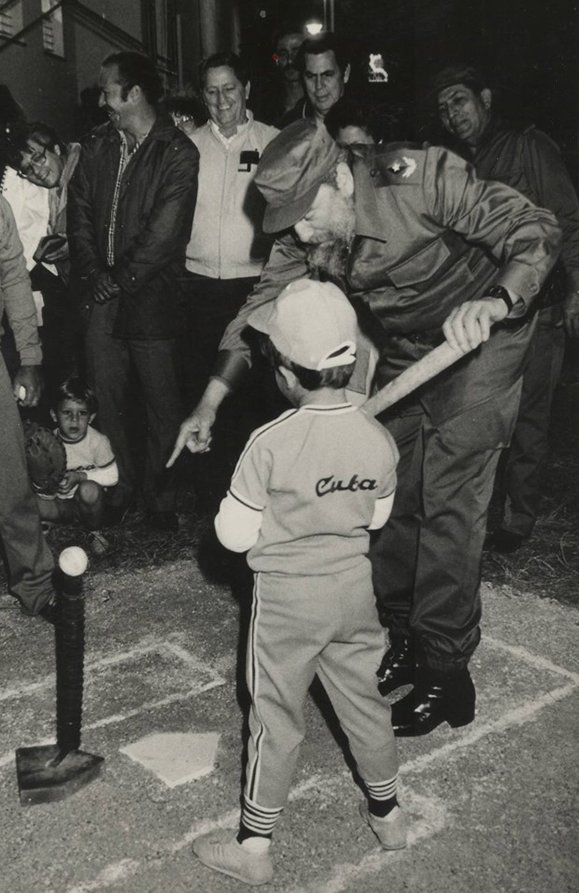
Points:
(226, 238)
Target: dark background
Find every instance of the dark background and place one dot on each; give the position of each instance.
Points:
(528, 49)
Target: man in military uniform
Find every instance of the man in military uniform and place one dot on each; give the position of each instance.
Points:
(432, 253)
(530, 162)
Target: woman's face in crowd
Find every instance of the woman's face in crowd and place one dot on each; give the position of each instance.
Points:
(185, 123)
(41, 164)
(225, 97)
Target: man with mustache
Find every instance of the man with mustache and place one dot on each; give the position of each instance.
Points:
(284, 90)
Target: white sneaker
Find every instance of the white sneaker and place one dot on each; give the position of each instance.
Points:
(229, 857)
(391, 830)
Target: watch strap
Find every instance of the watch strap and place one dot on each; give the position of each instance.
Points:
(499, 291)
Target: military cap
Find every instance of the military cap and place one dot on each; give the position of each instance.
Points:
(467, 75)
(291, 170)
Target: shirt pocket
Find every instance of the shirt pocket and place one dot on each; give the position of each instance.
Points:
(427, 265)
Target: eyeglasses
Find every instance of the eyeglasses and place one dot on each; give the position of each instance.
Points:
(33, 159)
(284, 57)
(182, 118)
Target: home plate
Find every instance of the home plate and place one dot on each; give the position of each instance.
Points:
(175, 757)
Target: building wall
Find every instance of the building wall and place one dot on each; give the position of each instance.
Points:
(91, 48)
(43, 84)
(219, 26)
(48, 87)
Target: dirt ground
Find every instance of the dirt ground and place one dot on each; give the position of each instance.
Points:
(492, 806)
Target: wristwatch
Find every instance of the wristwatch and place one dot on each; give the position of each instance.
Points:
(498, 291)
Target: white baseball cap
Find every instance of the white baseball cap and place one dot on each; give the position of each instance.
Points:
(311, 323)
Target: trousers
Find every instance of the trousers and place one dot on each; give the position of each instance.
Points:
(518, 484)
(426, 560)
(300, 627)
(209, 306)
(29, 560)
(111, 364)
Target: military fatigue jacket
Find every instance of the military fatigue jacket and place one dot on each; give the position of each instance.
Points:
(529, 161)
(429, 236)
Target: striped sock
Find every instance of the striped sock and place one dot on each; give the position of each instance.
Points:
(257, 821)
(382, 796)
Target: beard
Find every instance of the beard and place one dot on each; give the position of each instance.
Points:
(328, 261)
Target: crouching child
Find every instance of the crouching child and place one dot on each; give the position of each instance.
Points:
(90, 464)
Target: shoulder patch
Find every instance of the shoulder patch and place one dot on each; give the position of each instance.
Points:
(399, 166)
(405, 166)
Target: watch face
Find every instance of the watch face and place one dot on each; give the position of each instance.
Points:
(498, 291)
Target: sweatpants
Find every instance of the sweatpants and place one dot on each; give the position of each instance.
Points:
(302, 626)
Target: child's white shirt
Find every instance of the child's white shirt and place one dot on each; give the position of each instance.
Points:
(93, 455)
(307, 488)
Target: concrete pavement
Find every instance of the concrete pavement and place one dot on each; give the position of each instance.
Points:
(492, 805)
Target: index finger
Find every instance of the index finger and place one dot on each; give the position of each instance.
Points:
(187, 437)
(177, 450)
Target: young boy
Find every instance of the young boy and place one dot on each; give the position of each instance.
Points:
(306, 490)
(91, 465)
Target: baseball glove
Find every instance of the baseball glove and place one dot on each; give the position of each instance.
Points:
(45, 457)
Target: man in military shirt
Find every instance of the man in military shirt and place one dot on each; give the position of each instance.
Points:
(432, 253)
(526, 159)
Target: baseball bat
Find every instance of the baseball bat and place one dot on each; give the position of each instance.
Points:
(416, 375)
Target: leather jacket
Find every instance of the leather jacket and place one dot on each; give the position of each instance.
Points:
(154, 214)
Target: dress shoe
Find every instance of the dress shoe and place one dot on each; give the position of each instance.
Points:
(164, 522)
(398, 666)
(504, 541)
(435, 699)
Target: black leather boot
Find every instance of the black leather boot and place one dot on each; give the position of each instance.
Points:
(398, 666)
(436, 698)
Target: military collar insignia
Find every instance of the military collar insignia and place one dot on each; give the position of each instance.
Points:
(404, 165)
